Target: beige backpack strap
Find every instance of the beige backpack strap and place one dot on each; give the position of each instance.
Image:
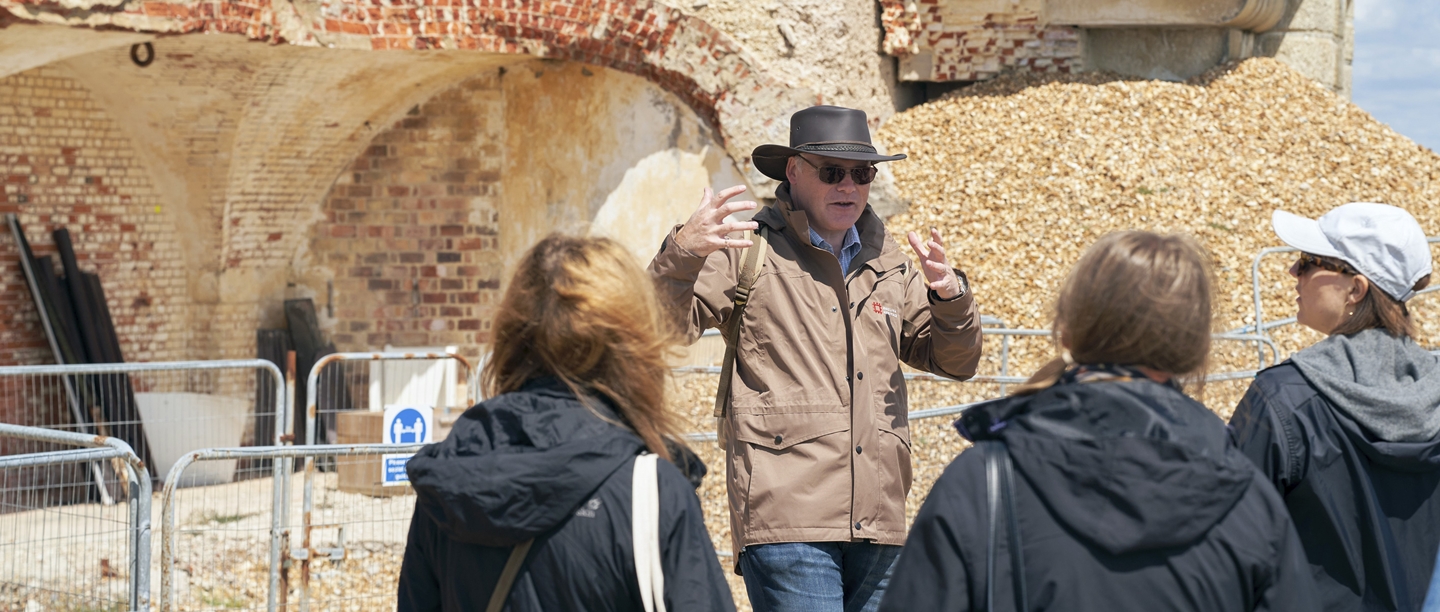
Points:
(750, 269)
(645, 531)
(507, 576)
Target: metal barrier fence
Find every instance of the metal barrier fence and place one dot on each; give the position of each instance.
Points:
(162, 410)
(75, 556)
(345, 554)
(1004, 378)
(346, 391)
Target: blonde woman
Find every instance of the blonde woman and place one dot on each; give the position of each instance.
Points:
(1103, 486)
(576, 382)
(1348, 430)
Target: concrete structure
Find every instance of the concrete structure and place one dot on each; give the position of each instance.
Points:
(214, 158)
(966, 40)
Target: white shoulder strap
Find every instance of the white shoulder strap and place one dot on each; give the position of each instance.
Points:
(645, 527)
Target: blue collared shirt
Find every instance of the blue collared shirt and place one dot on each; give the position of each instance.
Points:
(848, 250)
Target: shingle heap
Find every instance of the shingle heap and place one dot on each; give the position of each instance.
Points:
(1022, 173)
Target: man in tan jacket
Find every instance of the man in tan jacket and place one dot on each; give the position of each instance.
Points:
(818, 444)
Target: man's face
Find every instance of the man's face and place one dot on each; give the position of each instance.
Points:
(831, 208)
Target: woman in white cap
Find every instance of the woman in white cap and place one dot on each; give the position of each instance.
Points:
(1348, 429)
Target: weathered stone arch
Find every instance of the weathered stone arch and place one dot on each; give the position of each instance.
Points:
(681, 53)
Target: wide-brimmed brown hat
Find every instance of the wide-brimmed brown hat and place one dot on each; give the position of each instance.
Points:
(830, 131)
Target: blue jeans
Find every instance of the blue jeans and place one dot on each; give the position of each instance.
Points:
(817, 576)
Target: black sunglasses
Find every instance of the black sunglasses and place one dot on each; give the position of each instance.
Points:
(1308, 261)
(831, 175)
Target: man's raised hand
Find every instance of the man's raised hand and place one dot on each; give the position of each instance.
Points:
(707, 230)
(939, 275)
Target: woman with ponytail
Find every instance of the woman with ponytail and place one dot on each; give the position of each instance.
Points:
(1101, 486)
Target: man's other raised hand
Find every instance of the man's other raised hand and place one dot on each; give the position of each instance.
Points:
(939, 276)
(708, 231)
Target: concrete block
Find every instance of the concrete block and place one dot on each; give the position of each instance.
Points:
(1155, 53)
(1314, 55)
(1314, 15)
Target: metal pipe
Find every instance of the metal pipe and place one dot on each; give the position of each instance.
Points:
(149, 366)
(76, 455)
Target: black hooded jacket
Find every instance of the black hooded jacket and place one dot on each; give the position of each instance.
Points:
(538, 464)
(1128, 497)
(1367, 509)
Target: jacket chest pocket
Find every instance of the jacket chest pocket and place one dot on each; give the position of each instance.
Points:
(880, 314)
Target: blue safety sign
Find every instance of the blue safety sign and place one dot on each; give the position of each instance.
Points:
(404, 425)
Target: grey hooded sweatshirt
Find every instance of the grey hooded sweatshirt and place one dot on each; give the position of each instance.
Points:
(1389, 385)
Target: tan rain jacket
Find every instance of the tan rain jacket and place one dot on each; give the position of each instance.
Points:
(819, 444)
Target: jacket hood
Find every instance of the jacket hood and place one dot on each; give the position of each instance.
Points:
(519, 464)
(1389, 386)
(1128, 466)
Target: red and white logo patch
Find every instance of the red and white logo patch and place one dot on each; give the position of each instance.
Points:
(882, 309)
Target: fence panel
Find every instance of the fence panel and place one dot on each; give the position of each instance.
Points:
(347, 392)
(339, 551)
(353, 527)
(220, 542)
(162, 410)
(60, 548)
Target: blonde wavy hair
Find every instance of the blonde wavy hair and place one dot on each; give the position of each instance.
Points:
(583, 311)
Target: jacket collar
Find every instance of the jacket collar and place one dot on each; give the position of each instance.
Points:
(877, 250)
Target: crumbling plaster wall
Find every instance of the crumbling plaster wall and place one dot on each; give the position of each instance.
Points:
(424, 225)
(829, 49)
(591, 150)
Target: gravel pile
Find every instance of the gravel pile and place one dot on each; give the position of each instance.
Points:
(1020, 174)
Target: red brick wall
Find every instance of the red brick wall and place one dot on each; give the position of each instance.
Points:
(971, 49)
(64, 162)
(410, 227)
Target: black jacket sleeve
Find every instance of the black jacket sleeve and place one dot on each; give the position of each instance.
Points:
(419, 588)
(693, 577)
(931, 573)
(1264, 430)
(1291, 585)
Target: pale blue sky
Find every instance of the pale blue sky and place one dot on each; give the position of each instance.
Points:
(1397, 65)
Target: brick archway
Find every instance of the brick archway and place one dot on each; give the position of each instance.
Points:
(682, 54)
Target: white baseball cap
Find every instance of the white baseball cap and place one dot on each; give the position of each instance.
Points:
(1383, 242)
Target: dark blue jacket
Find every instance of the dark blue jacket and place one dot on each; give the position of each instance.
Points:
(1366, 509)
(538, 464)
(1129, 498)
